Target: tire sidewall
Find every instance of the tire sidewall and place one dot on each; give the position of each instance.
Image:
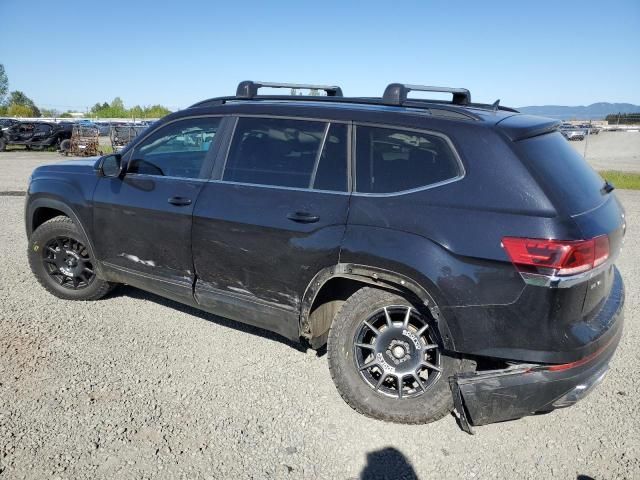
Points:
(40, 237)
(65, 145)
(430, 406)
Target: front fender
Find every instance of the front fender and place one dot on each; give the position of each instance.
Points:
(67, 197)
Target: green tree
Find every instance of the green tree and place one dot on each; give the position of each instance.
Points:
(50, 112)
(66, 115)
(156, 111)
(137, 112)
(4, 84)
(117, 103)
(16, 110)
(19, 99)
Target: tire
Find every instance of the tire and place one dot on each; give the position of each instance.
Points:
(65, 145)
(49, 245)
(428, 404)
(3, 145)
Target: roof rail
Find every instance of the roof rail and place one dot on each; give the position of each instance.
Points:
(427, 105)
(249, 89)
(396, 93)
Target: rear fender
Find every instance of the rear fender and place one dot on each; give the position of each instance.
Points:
(376, 277)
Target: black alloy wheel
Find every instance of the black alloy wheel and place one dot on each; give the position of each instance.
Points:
(61, 259)
(67, 261)
(395, 354)
(387, 359)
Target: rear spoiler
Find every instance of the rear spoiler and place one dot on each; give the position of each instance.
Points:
(519, 127)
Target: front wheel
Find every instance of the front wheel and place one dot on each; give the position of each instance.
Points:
(386, 362)
(61, 261)
(3, 144)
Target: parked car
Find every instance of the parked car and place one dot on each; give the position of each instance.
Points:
(104, 128)
(572, 132)
(448, 254)
(589, 129)
(36, 135)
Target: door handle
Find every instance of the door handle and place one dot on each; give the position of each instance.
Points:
(303, 217)
(179, 201)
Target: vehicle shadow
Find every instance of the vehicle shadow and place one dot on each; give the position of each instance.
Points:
(387, 463)
(127, 291)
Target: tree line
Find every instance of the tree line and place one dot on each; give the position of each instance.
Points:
(18, 104)
(623, 118)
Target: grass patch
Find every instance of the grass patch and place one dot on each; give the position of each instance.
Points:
(622, 180)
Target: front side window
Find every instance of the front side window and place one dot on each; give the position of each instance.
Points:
(287, 153)
(394, 160)
(177, 149)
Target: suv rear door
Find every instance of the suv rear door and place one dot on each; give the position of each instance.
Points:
(142, 221)
(273, 215)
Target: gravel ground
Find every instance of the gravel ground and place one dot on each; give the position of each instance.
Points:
(611, 151)
(135, 386)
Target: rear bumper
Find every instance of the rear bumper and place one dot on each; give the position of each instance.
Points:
(500, 395)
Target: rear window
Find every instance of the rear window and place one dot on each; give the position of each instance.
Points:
(393, 160)
(571, 179)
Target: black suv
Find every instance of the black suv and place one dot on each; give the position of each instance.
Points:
(36, 135)
(449, 254)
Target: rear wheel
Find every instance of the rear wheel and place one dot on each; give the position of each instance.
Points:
(65, 146)
(3, 144)
(62, 263)
(386, 362)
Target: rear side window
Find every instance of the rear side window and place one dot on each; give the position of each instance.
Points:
(394, 160)
(565, 171)
(287, 153)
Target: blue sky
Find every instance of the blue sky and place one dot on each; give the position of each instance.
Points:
(71, 54)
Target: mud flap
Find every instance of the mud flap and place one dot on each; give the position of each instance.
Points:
(458, 403)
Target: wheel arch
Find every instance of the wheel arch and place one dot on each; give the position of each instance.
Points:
(330, 287)
(43, 209)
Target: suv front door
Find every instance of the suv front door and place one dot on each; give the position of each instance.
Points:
(142, 220)
(271, 219)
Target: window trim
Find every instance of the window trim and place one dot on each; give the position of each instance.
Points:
(461, 170)
(236, 119)
(316, 163)
(209, 157)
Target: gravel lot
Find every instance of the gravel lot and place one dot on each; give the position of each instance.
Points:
(612, 150)
(135, 386)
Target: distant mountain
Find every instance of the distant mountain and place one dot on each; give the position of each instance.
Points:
(595, 111)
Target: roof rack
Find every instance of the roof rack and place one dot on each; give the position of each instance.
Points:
(249, 89)
(396, 93)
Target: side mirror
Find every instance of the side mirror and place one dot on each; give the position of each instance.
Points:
(111, 166)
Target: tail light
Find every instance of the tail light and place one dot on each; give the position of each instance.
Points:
(562, 257)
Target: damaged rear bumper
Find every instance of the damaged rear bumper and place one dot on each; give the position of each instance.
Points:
(499, 395)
